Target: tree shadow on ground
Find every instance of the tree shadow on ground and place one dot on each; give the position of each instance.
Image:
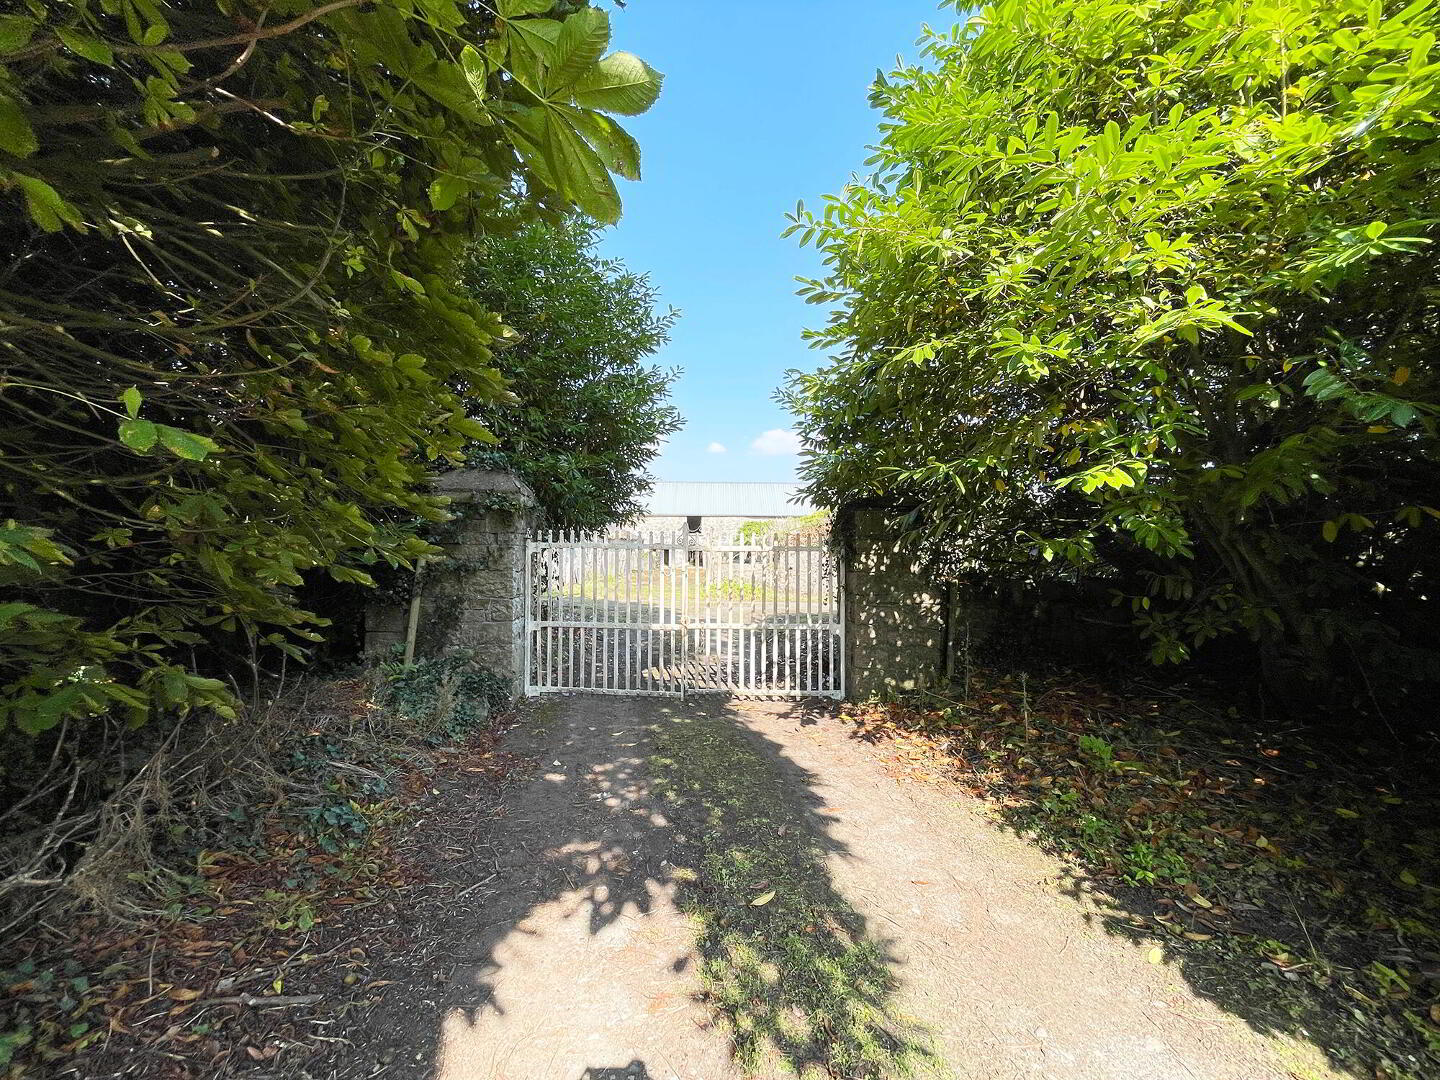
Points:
(786, 962)
(637, 803)
(1272, 872)
(634, 1071)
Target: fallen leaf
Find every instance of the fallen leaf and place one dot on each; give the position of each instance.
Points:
(1156, 955)
(763, 899)
(184, 993)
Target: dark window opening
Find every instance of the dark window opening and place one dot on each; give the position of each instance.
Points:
(692, 524)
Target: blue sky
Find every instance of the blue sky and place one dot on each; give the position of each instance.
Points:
(764, 104)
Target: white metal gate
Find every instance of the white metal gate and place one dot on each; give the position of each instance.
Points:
(645, 614)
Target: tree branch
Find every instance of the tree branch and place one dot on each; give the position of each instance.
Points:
(43, 47)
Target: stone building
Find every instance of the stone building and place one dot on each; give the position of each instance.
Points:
(714, 512)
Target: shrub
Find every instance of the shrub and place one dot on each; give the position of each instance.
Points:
(231, 349)
(592, 412)
(449, 694)
(1146, 290)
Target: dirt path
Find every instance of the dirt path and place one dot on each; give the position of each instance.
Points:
(673, 885)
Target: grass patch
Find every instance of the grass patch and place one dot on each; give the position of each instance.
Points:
(785, 962)
(1295, 882)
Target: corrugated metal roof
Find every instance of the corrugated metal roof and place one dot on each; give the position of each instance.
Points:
(710, 499)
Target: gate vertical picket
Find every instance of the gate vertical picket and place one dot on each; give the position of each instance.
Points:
(812, 639)
(628, 674)
(648, 613)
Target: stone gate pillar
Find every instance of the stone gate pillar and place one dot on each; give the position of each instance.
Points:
(895, 616)
(472, 602)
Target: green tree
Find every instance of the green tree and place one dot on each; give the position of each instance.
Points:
(231, 350)
(1148, 290)
(591, 412)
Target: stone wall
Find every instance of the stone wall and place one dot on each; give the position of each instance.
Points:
(895, 616)
(906, 631)
(472, 601)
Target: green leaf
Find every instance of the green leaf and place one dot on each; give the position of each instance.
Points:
(566, 162)
(532, 49)
(1402, 413)
(131, 399)
(9, 611)
(445, 190)
(583, 39)
(47, 208)
(511, 8)
(91, 48)
(473, 429)
(477, 72)
(138, 435)
(406, 282)
(16, 135)
(621, 83)
(186, 444)
(616, 147)
(50, 710)
(357, 577)
(1330, 530)
(15, 32)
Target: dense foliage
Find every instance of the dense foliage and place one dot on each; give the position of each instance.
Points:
(592, 413)
(1147, 290)
(231, 348)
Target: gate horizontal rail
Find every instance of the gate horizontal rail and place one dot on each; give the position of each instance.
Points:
(671, 615)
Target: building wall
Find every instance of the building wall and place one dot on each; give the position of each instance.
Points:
(713, 530)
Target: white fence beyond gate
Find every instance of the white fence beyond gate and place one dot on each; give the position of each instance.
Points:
(671, 615)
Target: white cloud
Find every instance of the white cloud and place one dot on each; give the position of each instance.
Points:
(715, 448)
(776, 443)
